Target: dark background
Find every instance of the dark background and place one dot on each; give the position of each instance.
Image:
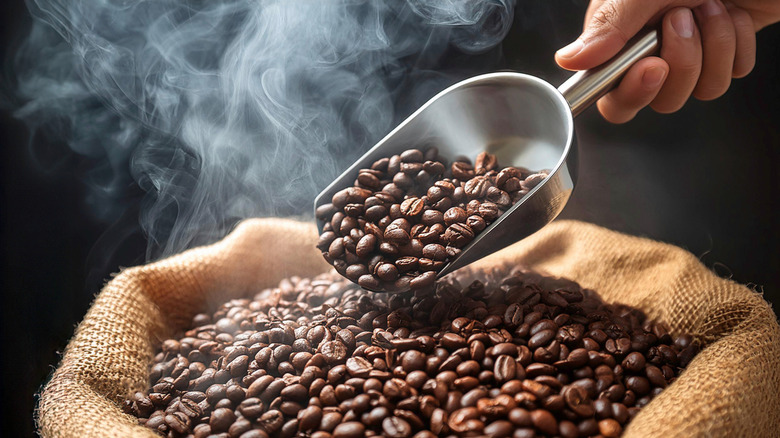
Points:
(705, 178)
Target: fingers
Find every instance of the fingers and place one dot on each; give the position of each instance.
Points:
(745, 56)
(705, 43)
(611, 24)
(637, 89)
(682, 50)
(718, 45)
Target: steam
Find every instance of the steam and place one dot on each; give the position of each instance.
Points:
(227, 109)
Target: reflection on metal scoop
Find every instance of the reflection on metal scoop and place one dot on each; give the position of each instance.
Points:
(524, 121)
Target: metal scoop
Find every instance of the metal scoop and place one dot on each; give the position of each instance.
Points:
(524, 121)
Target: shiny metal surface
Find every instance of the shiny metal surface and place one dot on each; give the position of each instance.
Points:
(586, 87)
(521, 119)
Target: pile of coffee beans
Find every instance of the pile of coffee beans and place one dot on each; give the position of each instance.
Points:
(509, 355)
(409, 215)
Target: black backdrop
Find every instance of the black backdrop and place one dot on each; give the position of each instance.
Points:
(705, 178)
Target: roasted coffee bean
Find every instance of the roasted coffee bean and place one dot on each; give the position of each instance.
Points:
(430, 217)
(476, 223)
(412, 207)
(320, 357)
(484, 163)
(350, 429)
(638, 384)
(366, 245)
(458, 235)
(610, 428)
(373, 206)
(434, 251)
(541, 338)
(251, 408)
(544, 421)
(477, 187)
(462, 171)
(489, 211)
(221, 419)
(387, 272)
(505, 174)
(459, 420)
(634, 362)
(505, 369)
(406, 264)
(412, 360)
(412, 156)
(533, 180)
(576, 399)
(655, 376)
(454, 215)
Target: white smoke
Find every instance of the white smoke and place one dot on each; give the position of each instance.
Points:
(227, 109)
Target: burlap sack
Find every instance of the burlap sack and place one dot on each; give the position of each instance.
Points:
(732, 388)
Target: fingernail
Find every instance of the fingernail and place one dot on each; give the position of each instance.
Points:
(682, 22)
(653, 77)
(711, 8)
(571, 50)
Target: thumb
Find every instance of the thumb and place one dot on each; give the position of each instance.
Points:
(610, 26)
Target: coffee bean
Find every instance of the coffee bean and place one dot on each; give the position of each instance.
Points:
(544, 421)
(458, 420)
(638, 384)
(505, 174)
(323, 358)
(610, 428)
(655, 376)
(422, 281)
(221, 419)
(296, 392)
(533, 180)
(541, 338)
(430, 217)
(458, 235)
(484, 163)
(489, 211)
(412, 207)
(412, 156)
(334, 351)
(434, 251)
(634, 362)
(350, 429)
(477, 187)
(366, 245)
(387, 272)
(454, 215)
(412, 360)
(576, 399)
(577, 358)
(406, 264)
(396, 427)
(462, 171)
(505, 369)
(358, 367)
(476, 223)
(433, 168)
(620, 412)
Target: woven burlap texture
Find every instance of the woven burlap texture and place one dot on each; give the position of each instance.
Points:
(732, 388)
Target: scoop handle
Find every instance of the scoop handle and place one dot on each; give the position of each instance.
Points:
(587, 86)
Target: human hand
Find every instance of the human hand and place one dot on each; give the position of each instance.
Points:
(705, 43)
